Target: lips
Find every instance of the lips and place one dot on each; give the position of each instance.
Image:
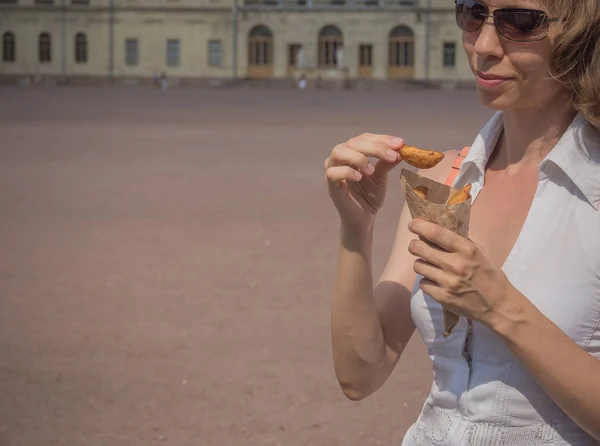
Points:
(492, 77)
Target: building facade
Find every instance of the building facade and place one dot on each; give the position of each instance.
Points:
(231, 39)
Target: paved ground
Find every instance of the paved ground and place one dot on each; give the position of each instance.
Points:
(166, 263)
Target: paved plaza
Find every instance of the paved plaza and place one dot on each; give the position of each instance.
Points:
(167, 260)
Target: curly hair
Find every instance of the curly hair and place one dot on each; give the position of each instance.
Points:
(575, 59)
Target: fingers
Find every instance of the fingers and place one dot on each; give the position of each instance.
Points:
(434, 290)
(343, 155)
(377, 146)
(392, 142)
(431, 254)
(429, 271)
(349, 161)
(336, 174)
(356, 152)
(441, 237)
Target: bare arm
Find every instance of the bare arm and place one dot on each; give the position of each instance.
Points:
(569, 374)
(371, 325)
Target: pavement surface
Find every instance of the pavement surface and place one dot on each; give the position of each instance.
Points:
(167, 260)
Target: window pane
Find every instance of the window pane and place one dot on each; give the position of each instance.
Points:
(8, 47)
(265, 53)
(80, 48)
(131, 52)
(449, 55)
(45, 48)
(173, 52)
(214, 53)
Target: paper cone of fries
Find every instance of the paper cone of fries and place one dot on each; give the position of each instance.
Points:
(433, 208)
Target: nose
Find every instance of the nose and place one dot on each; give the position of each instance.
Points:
(488, 44)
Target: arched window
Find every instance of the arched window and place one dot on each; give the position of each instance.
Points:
(81, 49)
(8, 47)
(330, 40)
(260, 52)
(45, 48)
(401, 52)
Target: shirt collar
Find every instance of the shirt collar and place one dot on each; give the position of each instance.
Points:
(482, 148)
(577, 154)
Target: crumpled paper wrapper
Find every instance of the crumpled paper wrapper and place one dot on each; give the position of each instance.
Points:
(453, 217)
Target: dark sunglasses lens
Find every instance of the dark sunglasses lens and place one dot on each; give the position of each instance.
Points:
(521, 25)
(470, 15)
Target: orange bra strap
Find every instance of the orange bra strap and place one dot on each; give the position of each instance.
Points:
(456, 166)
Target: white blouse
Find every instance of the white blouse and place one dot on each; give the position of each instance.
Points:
(481, 394)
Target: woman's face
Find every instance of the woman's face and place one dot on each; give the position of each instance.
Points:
(512, 75)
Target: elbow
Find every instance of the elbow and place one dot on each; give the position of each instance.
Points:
(352, 395)
(354, 391)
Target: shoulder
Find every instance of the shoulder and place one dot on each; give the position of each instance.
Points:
(440, 172)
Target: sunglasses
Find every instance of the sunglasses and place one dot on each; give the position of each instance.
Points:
(514, 24)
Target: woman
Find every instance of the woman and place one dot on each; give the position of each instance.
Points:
(522, 367)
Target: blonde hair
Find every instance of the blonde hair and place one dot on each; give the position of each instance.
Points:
(575, 59)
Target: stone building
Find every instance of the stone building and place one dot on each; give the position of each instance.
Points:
(196, 40)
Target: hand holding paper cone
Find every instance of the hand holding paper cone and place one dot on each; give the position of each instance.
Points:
(458, 275)
(441, 205)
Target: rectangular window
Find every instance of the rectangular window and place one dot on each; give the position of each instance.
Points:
(215, 56)
(45, 48)
(449, 54)
(44, 2)
(8, 47)
(173, 52)
(80, 2)
(131, 52)
(365, 55)
(293, 51)
(80, 48)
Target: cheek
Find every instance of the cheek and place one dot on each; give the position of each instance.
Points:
(530, 60)
(468, 41)
(530, 66)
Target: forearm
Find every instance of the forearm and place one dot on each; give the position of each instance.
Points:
(358, 343)
(569, 374)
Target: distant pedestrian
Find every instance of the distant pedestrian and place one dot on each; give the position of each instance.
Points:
(302, 82)
(163, 81)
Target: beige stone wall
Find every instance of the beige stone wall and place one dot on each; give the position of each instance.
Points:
(152, 28)
(192, 30)
(362, 27)
(152, 22)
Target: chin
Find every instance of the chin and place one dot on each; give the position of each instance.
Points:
(496, 100)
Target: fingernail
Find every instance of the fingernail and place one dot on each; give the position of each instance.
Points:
(397, 141)
(370, 168)
(392, 155)
(357, 175)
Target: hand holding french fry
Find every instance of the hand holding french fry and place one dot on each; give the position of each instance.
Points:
(358, 186)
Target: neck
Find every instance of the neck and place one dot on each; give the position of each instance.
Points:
(530, 135)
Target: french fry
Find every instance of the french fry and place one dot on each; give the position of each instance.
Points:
(420, 158)
(462, 195)
(421, 191)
